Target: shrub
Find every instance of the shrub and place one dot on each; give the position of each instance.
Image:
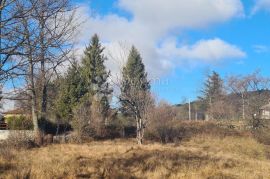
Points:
(53, 128)
(19, 139)
(176, 131)
(19, 123)
(260, 130)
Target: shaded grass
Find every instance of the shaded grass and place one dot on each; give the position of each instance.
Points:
(200, 157)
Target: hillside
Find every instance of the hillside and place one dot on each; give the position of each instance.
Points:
(229, 106)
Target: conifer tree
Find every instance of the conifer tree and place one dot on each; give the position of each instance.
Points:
(96, 76)
(134, 77)
(212, 91)
(135, 95)
(72, 89)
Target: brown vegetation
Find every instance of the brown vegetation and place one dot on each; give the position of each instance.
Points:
(206, 151)
(200, 157)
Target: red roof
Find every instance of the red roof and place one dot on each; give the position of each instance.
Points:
(14, 112)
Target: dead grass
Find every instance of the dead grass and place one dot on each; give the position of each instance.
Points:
(201, 157)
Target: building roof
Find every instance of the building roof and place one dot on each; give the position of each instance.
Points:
(13, 112)
(266, 107)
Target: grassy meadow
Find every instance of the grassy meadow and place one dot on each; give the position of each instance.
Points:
(202, 156)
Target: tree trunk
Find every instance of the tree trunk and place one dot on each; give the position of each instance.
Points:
(37, 132)
(139, 131)
(243, 107)
(34, 112)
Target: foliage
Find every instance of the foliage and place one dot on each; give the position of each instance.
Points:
(169, 131)
(19, 140)
(135, 97)
(72, 89)
(81, 122)
(134, 79)
(19, 123)
(95, 74)
(213, 88)
(212, 92)
(95, 78)
(260, 129)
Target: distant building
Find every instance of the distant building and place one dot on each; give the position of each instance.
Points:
(265, 111)
(13, 113)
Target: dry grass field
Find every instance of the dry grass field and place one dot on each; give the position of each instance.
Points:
(200, 157)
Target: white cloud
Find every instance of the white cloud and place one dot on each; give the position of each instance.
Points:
(261, 5)
(209, 51)
(152, 24)
(182, 13)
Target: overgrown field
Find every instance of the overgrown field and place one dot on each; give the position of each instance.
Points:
(200, 157)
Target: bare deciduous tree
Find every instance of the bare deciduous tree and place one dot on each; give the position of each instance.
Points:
(250, 89)
(48, 32)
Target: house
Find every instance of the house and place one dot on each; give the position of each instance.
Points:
(265, 111)
(13, 113)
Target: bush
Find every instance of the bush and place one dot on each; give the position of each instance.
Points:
(260, 130)
(50, 127)
(19, 123)
(176, 131)
(19, 139)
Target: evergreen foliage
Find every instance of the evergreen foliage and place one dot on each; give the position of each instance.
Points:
(95, 75)
(134, 78)
(213, 88)
(72, 89)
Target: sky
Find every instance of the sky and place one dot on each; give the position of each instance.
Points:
(181, 41)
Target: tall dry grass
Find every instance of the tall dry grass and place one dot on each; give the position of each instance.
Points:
(200, 157)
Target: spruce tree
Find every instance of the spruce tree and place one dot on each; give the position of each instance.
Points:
(213, 87)
(212, 91)
(135, 95)
(72, 89)
(134, 77)
(96, 79)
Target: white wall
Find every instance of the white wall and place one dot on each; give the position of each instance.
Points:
(4, 134)
(25, 133)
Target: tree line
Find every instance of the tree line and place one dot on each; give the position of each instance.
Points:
(36, 43)
(37, 39)
(235, 97)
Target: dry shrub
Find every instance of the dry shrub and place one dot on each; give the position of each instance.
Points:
(20, 140)
(164, 127)
(89, 120)
(72, 138)
(177, 131)
(81, 122)
(262, 135)
(260, 129)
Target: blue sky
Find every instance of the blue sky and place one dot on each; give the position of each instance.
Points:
(183, 40)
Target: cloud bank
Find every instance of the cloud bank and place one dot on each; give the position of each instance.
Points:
(153, 25)
(261, 5)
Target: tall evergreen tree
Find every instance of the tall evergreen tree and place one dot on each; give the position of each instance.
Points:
(96, 78)
(213, 87)
(134, 77)
(212, 91)
(135, 95)
(72, 89)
